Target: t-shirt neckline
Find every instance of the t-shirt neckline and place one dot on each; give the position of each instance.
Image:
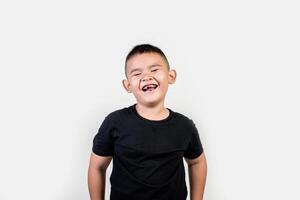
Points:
(168, 118)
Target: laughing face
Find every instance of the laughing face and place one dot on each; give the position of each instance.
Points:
(148, 78)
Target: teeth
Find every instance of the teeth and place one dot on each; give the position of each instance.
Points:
(152, 86)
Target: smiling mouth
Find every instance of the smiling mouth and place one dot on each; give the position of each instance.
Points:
(149, 87)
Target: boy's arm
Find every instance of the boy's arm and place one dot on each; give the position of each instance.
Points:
(197, 176)
(96, 176)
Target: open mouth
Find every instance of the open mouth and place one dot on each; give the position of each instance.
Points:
(150, 87)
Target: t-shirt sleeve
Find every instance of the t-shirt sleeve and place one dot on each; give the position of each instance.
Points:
(103, 144)
(195, 147)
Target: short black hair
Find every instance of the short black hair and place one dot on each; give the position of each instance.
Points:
(145, 48)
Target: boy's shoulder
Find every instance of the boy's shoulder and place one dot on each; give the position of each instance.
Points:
(115, 114)
(184, 118)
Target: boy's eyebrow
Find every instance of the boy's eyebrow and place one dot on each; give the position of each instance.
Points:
(133, 70)
(151, 66)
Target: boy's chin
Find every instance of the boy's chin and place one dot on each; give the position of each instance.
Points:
(149, 101)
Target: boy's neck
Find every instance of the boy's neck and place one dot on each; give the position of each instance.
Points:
(155, 112)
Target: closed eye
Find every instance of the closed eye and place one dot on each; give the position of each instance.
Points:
(154, 70)
(136, 74)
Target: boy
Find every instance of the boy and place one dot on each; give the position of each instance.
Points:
(146, 140)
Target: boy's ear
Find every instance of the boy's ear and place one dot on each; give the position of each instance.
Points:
(172, 76)
(126, 85)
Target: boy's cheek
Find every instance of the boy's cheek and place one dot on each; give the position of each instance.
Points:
(134, 83)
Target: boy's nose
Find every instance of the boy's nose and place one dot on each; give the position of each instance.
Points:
(146, 78)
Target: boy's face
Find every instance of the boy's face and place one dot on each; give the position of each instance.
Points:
(148, 78)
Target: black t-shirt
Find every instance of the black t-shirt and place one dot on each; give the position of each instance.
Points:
(147, 154)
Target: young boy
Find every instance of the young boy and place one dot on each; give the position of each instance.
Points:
(146, 140)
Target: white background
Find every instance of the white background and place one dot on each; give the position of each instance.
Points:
(62, 63)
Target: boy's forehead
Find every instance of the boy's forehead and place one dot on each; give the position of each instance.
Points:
(145, 60)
